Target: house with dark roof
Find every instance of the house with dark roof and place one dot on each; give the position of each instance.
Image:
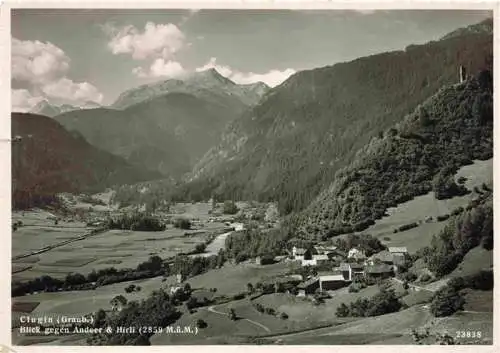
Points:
(332, 282)
(379, 271)
(384, 257)
(308, 287)
(350, 271)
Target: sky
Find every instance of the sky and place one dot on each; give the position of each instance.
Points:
(77, 56)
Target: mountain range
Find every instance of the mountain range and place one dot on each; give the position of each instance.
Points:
(289, 146)
(166, 126)
(51, 110)
(202, 84)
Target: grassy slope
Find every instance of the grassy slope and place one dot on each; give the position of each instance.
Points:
(421, 207)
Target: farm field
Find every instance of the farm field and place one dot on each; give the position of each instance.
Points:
(421, 207)
(116, 248)
(88, 301)
(232, 279)
(39, 231)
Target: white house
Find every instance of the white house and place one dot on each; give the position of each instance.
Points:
(356, 254)
(315, 260)
(174, 290)
(398, 250)
(298, 253)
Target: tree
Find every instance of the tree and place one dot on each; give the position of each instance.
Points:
(250, 288)
(342, 310)
(187, 288)
(182, 223)
(118, 302)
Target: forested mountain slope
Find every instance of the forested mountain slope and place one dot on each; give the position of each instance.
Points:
(418, 155)
(47, 159)
(290, 145)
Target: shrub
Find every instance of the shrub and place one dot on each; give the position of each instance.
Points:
(446, 302)
(201, 323)
(229, 208)
(353, 289)
(284, 316)
(240, 258)
(425, 277)
(384, 302)
(259, 307)
(443, 217)
(408, 226)
(182, 223)
(239, 296)
(200, 248)
(270, 311)
(407, 276)
(343, 310)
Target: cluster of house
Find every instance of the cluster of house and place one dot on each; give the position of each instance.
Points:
(353, 265)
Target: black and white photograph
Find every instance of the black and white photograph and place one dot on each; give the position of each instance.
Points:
(250, 176)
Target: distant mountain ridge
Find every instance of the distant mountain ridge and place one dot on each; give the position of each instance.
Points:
(167, 126)
(198, 84)
(51, 110)
(289, 146)
(47, 159)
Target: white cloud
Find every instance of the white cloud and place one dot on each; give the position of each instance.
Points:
(37, 62)
(23, 100)
(272, 78)
(212, 64)
(66, 89)
(161, 68)
(156, 41)
(43, 67)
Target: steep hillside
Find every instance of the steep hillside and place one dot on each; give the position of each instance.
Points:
(168, 133)
(199, 84)
(289, 146)
(47, 159)
(418, 155)
(485, 26)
